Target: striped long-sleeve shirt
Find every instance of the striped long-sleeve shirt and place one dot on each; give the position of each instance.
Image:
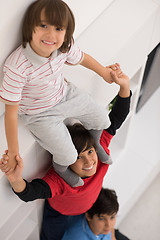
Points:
(34, 82)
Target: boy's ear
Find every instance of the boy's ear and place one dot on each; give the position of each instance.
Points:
(87, 217)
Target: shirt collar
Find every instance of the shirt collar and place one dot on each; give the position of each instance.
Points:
(35, 59)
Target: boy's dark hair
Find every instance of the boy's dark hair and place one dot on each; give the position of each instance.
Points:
(57, 13)
(106, 203)
(81, 137)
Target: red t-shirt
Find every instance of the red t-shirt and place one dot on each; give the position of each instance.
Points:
(77, 200)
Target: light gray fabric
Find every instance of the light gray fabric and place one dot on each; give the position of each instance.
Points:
(102, 155)
(68, 175)
(51, 132)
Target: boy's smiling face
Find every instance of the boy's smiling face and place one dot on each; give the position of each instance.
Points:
(47, 38)
(86, 164)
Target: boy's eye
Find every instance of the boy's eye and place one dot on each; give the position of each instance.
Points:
(43, 25)
(59, 29)
(101, 218)
(113, 217)
(90, 151)
(78, 157)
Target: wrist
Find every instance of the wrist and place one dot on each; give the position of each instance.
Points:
(124, 91)
(12, 156)
(13, 152)
(15, 180)
(106, 73)
(18, 185)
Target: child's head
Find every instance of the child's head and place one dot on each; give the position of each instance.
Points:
(101, 216)
(44, 14)
(87, 159)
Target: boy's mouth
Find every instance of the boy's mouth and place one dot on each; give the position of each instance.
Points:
(107, 230)
(88, 168)
(48, 43)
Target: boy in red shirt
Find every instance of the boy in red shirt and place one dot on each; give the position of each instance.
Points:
(62, 199)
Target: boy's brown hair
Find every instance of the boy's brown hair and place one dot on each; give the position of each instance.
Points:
(57, 13)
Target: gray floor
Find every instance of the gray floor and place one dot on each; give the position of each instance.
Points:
(143, 221)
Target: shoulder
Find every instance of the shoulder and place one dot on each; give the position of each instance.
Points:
(76, 220)
(51, 175)
(74, 49)
(106, 135)
(101, 168)
(105, 140)
(14, 57)
(75, 229)
(55, 182)
(16, 61)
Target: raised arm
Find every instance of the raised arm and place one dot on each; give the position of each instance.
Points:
(121, 106)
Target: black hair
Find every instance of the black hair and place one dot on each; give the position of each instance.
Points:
(106, 203)
(81, 137)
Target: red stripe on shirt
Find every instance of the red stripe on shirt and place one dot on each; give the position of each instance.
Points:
(9, 91)
(8, 100)
(22, 63)
(13, 79)
(11, 85)
(14, 72)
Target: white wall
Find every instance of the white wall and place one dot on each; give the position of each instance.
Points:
(123, 31)
(11, 15)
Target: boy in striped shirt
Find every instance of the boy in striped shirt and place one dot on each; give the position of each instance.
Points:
(34, 86)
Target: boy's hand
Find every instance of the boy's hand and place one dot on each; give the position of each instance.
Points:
(15, 173)
(123, 81)
(10, 164)
(15, 176)
(114, 67)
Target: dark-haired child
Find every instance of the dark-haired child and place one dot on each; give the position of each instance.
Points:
(62, 199)
(98, 222)
(34, 86)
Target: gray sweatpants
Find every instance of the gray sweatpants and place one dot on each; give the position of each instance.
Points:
(52, 134)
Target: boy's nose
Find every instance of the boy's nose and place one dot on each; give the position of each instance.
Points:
(88, 160)
(51, 33)
(107, 224)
